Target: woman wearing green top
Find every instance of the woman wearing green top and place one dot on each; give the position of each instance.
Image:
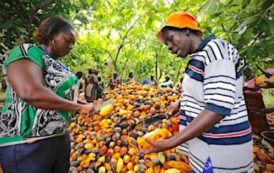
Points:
(39, 100)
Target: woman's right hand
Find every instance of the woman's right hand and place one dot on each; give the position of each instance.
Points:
(173, 107)
(156, 146)
(86, 109)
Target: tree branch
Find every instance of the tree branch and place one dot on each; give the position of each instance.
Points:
(178, 74)
(255, 39)
(122, 43)
(223, 27)
(108, 52)
(125, 64)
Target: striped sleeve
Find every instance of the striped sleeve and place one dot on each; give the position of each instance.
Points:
(215, 50)
(219, 81)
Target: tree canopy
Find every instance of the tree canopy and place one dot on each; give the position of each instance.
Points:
(120, 35)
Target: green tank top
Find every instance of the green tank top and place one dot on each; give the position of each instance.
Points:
(20, 121)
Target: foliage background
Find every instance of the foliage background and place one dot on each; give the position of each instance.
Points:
(119, 35)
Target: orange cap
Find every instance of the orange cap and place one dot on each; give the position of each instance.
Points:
(179, 20)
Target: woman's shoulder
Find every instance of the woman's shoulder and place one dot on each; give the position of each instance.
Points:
(30, 51)
(26, 50)
(35, 51)
(217, 50)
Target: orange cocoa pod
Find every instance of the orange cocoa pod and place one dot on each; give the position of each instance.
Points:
(178, 165)
(154, 135)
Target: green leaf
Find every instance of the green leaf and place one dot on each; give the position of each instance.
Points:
(7, 24)
(148, 23)
(210, 7)
(243, 27)
(267, 4)
(271, 27)
(245, 3)
(21, 29)
(103, 21)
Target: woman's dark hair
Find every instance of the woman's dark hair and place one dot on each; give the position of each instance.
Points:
(79, 74)
(49, 28)
(170, 28)
(130, 74)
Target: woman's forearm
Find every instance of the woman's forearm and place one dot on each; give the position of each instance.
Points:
(205, 120)
(26, 79)
(44, 98)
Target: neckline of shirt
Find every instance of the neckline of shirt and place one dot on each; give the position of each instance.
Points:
(204, 42)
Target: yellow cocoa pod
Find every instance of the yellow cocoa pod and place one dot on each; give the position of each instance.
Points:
(120, 165)
(102, 170)
(172, 170)
(149, 170)
(92, 156)
(106, 110)
(130, 171)
(88, 146)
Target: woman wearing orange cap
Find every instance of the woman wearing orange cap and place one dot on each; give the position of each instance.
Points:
(214, 127)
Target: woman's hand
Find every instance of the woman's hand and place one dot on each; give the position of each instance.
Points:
(157, 146)
(205, 121)
(269, 83)
(86, 109)
(174, 107)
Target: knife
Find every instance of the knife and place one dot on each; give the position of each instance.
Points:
(154, 119)
(268, 75)
(100, 105)
(158, 118)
